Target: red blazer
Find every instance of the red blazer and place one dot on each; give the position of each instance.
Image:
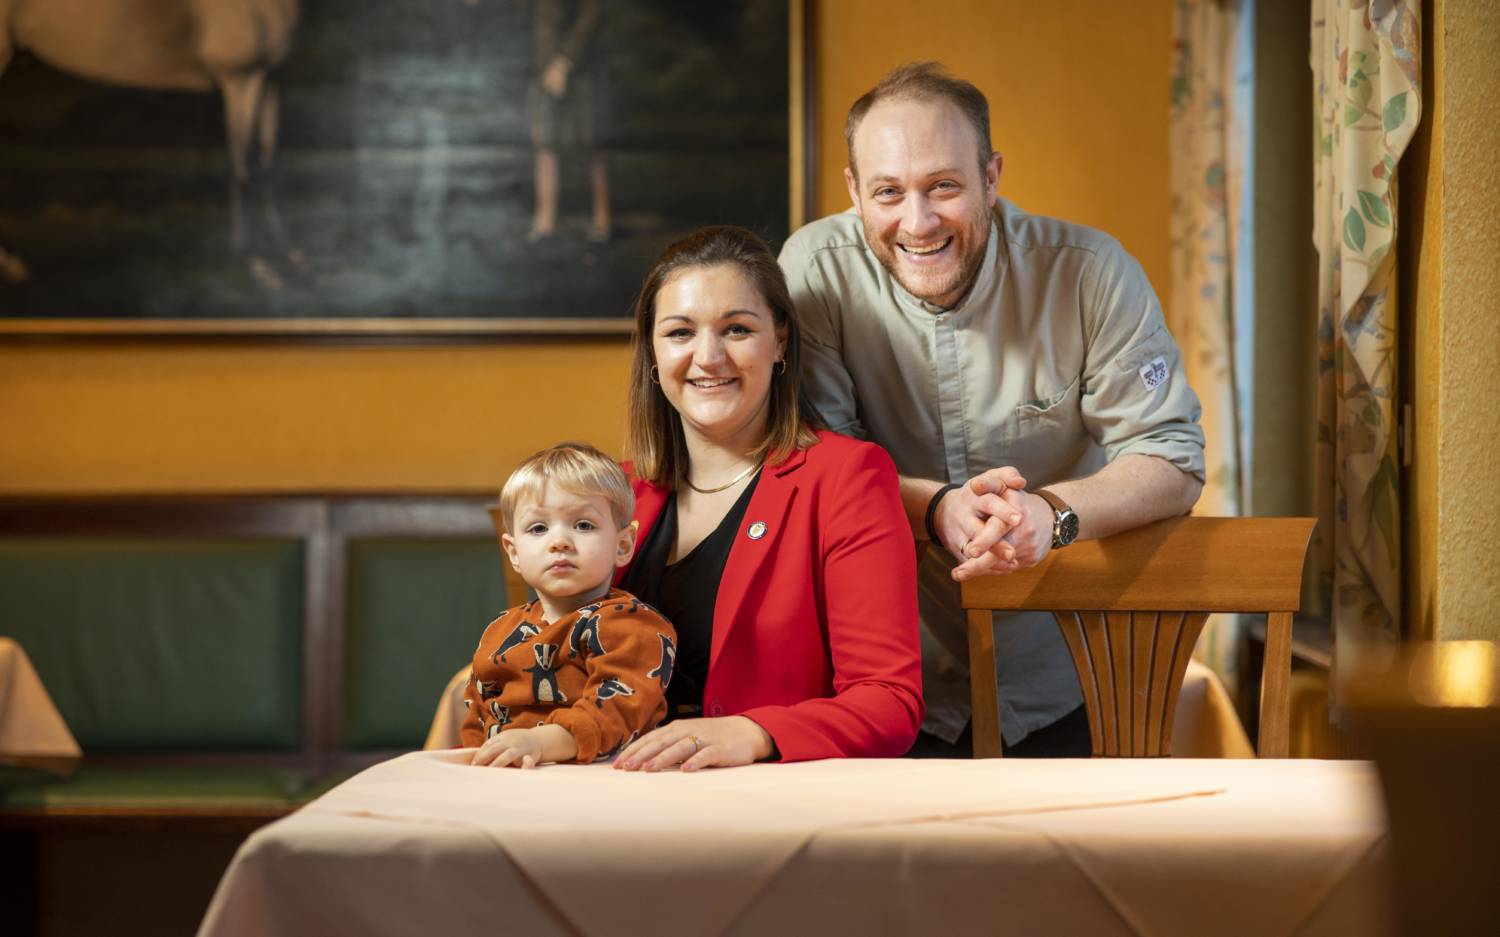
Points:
(815, 633)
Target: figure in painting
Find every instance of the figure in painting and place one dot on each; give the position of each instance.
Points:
(560, 104)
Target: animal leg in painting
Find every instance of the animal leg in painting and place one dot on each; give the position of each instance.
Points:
(232, 46)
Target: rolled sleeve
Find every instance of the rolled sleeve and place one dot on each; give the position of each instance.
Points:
(1136, 396)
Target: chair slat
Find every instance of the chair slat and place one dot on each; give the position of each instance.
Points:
(1187, 638)
(1120, 646)
(1169, 625)
(1071, 625)
(1144, 632)
(1096, 633)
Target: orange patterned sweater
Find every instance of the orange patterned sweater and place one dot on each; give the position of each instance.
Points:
(601, 673)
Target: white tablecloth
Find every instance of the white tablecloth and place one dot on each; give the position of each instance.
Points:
(428, 844)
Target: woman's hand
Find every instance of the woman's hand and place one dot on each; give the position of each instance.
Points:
(698, 743)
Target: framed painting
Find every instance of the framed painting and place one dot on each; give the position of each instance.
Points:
(397, 168)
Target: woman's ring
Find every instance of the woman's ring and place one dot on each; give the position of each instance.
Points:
(696, 744)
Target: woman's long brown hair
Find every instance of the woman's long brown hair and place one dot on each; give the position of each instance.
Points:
(656, 441)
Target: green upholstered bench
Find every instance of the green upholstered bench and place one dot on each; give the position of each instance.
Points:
(222, 661)
(237, 796)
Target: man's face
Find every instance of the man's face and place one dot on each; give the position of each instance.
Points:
(922, 196)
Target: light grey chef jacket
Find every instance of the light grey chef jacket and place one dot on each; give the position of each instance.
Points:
(1056, 362)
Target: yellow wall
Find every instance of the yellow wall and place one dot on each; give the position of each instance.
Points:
(1078, 100)
(1451, 279)
(1468, 566)
(1079, 95)
(1453, 487)
(229, 417)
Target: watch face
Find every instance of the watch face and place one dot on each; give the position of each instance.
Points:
(1067, 528)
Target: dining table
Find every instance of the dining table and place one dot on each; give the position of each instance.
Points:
(427, 843)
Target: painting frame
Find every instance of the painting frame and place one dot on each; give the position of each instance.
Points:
(802, 156)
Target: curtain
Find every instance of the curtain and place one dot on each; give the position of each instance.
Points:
(1366, 63)
(1210, 253)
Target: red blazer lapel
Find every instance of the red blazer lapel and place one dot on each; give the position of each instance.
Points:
(649, 502)
(769, 506)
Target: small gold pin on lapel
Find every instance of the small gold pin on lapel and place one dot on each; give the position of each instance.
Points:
(757, 530)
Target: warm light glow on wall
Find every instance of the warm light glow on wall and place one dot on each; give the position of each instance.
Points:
(1457, 673)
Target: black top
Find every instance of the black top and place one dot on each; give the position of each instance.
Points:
(685, 592)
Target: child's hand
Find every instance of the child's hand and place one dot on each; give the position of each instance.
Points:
(518, 747)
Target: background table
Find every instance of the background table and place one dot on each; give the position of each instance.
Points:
(427, 844)
(32, 733)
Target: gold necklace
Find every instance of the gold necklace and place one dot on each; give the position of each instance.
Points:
(732, 482)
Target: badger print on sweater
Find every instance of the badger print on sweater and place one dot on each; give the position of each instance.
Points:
(544, 675)
(663, 670)
(611, 687)
(585, 633)
(523, 631)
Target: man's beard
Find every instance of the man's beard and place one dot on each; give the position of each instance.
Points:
(970, 243)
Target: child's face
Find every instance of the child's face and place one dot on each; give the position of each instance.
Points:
(566, 546)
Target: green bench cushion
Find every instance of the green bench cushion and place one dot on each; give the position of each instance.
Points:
(162, 643)
(167, 788)
(416, 609)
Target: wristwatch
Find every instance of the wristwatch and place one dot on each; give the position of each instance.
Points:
(1064, 521)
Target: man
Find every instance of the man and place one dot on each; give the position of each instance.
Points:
(1017, 368)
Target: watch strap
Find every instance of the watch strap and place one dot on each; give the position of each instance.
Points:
(1062, 513)
(1058, 504)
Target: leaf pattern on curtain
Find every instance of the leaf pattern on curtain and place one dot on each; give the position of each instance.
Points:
(1207, 169)
(1367, 76)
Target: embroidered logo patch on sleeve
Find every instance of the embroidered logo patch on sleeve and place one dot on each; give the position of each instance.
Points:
(1154, 373)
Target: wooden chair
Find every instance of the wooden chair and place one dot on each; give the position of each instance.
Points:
(1131, 607)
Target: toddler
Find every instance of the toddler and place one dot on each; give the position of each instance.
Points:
(582, 670)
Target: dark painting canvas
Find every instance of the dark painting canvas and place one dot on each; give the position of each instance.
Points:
(377, 158)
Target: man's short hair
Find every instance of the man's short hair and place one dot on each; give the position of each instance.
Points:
(924, 81)
(576, 468)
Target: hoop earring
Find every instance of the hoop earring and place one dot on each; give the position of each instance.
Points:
(782, 362)
(655, 374)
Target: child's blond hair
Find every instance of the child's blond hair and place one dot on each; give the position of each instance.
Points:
(575, 467)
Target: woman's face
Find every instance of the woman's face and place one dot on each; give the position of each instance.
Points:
(716, 342)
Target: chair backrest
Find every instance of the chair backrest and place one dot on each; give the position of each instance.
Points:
(1131, 607)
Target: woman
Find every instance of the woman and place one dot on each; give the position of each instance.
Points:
(780, 552)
